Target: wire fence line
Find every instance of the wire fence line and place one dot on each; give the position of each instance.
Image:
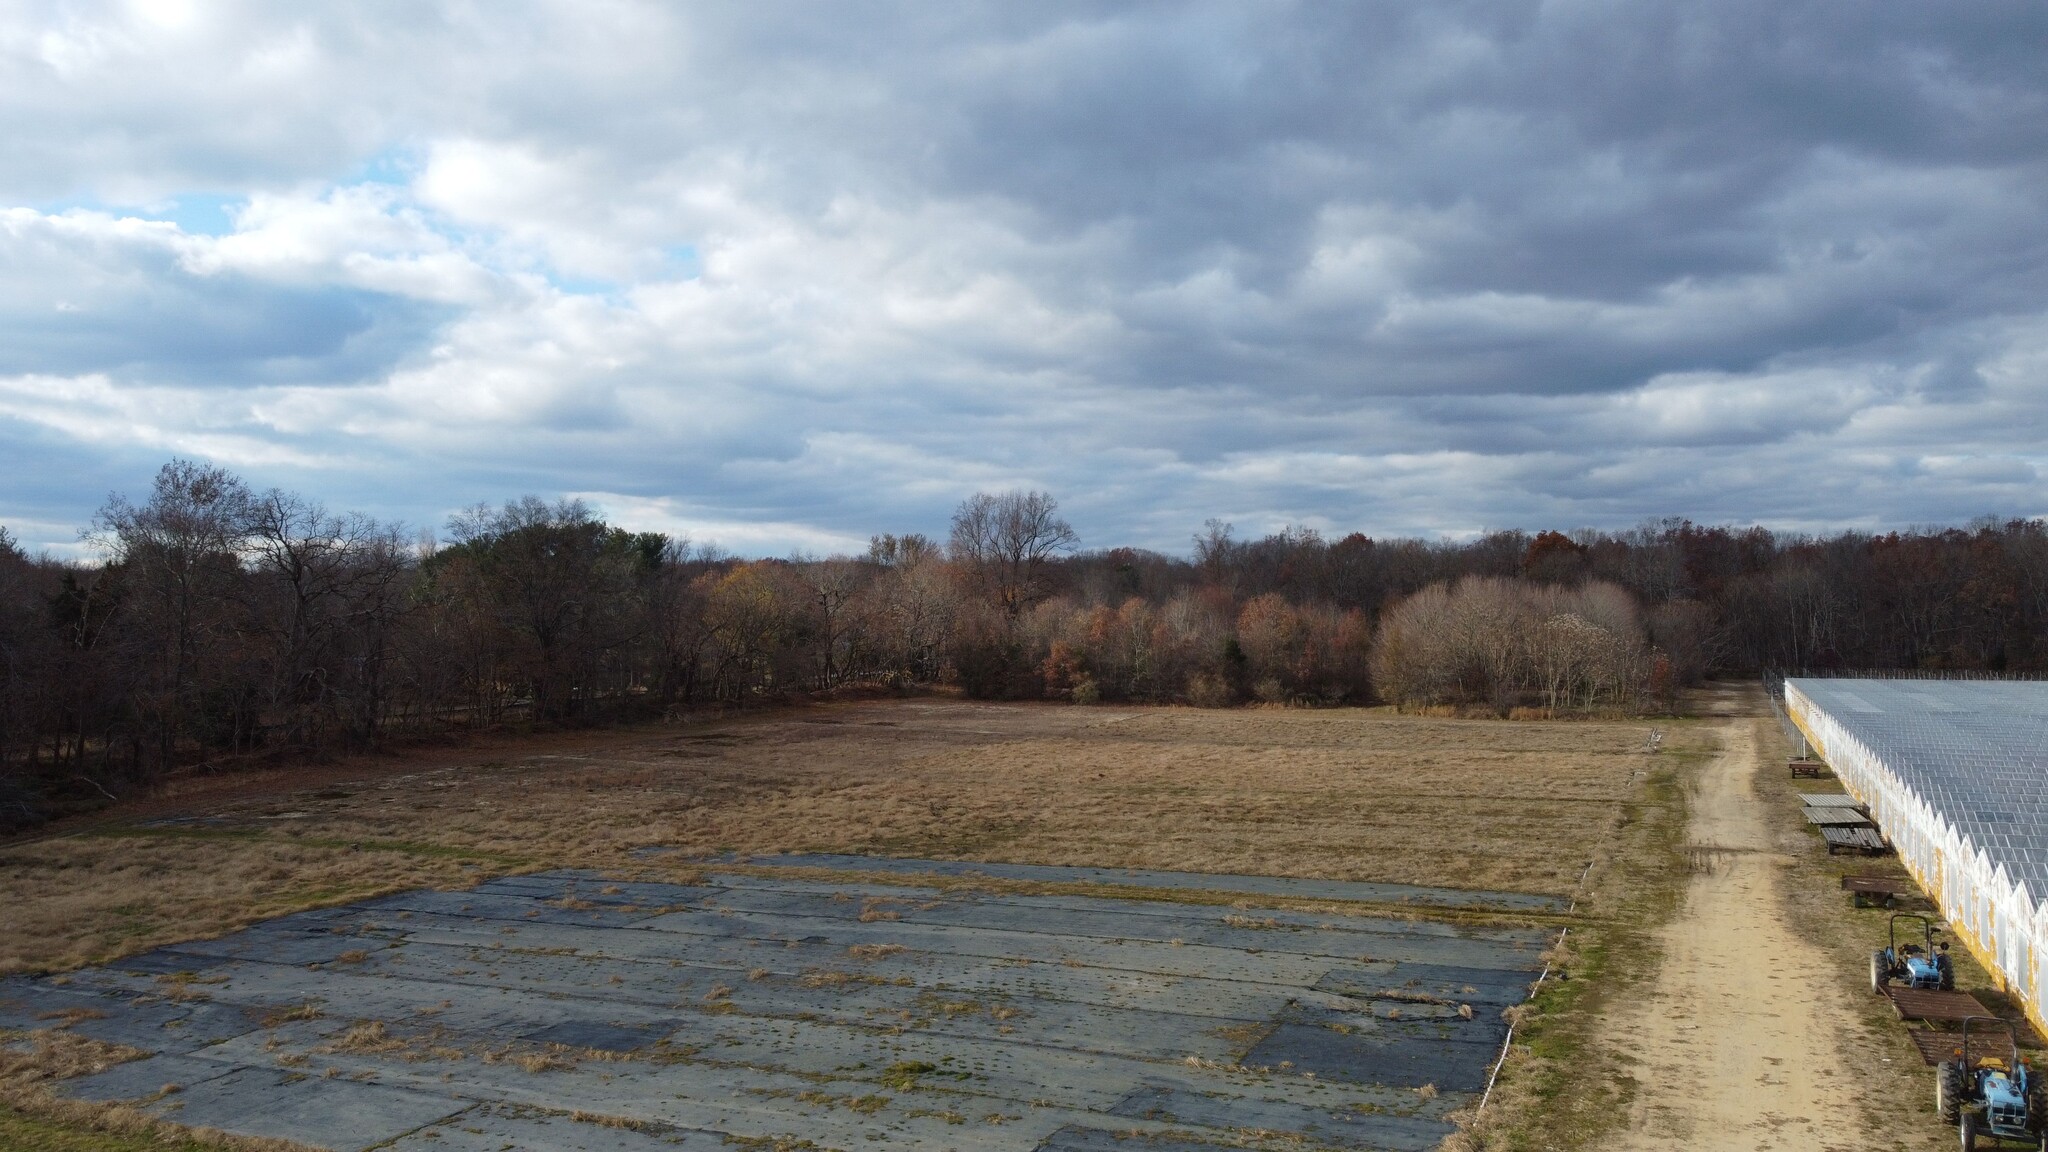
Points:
(1774, 689)
(1778, 676)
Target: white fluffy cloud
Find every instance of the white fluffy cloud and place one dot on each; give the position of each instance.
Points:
(781, 276)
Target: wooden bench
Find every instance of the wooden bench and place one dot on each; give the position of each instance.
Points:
(1881, 891)
(1807, 768)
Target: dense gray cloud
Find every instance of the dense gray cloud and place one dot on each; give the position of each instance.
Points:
(781, 275)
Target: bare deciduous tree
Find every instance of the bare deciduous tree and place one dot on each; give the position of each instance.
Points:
(180, 555)
(215, 622)
(1490, 640)
(1002, 542)
(905, 551)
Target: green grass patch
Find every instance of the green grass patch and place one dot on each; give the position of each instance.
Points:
(23, 1133)
(1414, 909)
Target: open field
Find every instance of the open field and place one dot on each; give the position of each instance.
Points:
(1348, 796)
(1351, 795)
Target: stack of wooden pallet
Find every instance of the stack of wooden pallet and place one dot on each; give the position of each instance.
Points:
(1941, 1015)
(1842, 823)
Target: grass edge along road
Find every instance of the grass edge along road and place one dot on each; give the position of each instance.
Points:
(1563, 1086)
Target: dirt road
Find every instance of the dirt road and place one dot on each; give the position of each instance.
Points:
(1736, 1043)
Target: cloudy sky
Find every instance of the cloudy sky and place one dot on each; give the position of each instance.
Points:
(782, 275)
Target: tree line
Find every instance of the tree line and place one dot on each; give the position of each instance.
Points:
(218, 625)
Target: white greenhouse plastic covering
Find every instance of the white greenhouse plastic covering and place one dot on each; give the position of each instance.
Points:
(1955, 773)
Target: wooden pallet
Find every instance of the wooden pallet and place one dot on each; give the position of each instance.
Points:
(1844, 816)
(1807, 768)
(1931, 1004)
(1830, 800)
(1936, 1046)
(1854, 838)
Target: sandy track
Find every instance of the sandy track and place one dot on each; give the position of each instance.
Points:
(1735, 1043)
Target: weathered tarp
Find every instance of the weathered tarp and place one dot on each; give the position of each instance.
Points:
(772, 1006)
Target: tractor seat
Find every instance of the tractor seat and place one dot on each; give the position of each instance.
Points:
(1992, 1063)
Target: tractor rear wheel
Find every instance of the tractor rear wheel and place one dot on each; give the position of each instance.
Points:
(1947, 969)
(1880, 972)
(1948, 1090)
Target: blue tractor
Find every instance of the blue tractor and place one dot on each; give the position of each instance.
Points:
(1992, 1096)
(1924, 965)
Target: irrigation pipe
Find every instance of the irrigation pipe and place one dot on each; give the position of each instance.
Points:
(1508, 1043)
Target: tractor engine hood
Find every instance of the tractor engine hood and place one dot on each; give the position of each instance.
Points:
(2005, 1106)
(2001, 1092)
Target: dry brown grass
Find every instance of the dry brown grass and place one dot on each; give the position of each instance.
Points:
(57, 1054)
(366, 1038)
(1343, 794)
(606, 1121)
(539, 1062)
(77, 899)
(283, 1016)
(32, 1119)
(31, 1113)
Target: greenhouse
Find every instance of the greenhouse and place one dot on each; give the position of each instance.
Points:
(1955, 773)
